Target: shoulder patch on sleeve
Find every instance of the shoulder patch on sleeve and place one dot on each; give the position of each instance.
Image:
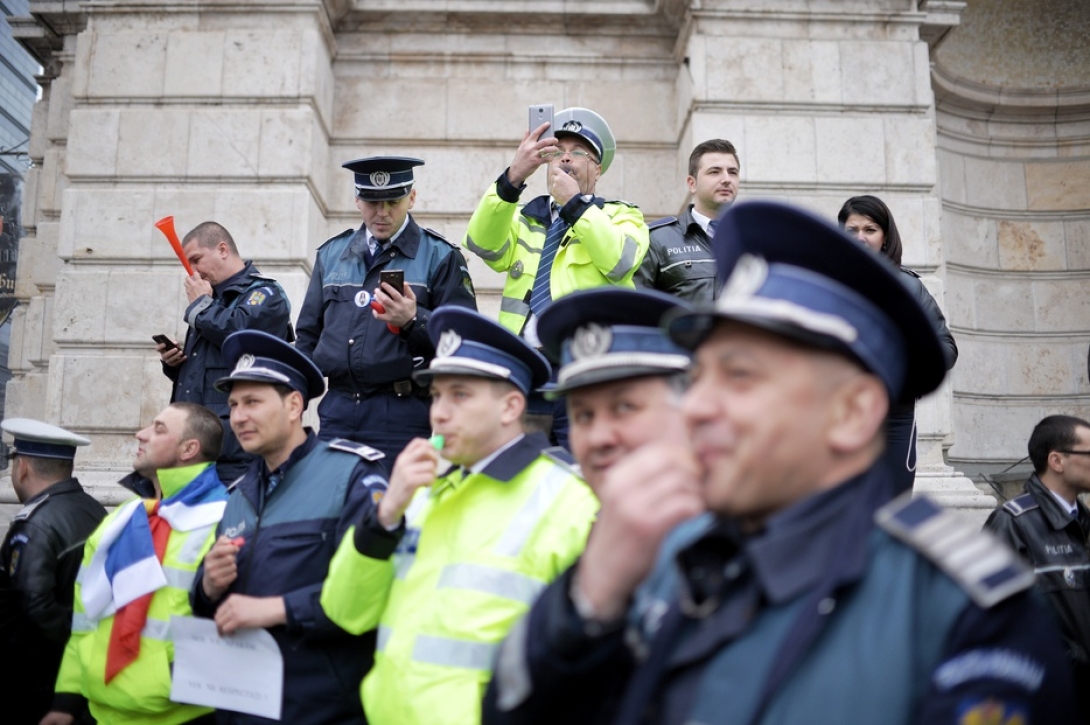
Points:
(664, 222)
(560, 456)
(439, 236)
(984, 567)
(363, 451)
(27, 511)
(1020, 505)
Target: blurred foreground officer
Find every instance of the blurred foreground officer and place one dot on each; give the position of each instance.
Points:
(281, 527)
(363, 334)
(567, 240)
(137, 568)
(38, 564)
(680, 259)
(226, 294)
(805, 595)
(623, 380)
(479, 542)
(1049, 526)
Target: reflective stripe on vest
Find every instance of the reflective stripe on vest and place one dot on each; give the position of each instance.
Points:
(488, 580)
(449, 652)
(526, 520)
(153, 628)
(384, 633)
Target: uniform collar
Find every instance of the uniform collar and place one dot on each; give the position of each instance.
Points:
(1058, 516)
(699, 219)
(406, 241)
(540, 208)
(138, 484)
(301, 451)
(514, 459)
(799, 545)
(68, 485)
(238, 279)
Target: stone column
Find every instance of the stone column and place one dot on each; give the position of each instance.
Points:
(193, 110)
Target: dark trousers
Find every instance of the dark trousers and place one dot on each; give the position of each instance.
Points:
(384, 421)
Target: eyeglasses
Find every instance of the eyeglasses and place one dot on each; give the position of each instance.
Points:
(10, 455)
(574, 153)
(1075, 453)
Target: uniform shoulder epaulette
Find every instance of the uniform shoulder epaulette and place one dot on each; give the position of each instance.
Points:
(664, 222)
(906, 270)
(620, 201)
(363, 451)
(439, 236)
(339, 236)
(1021, 504)
(27, 511)
(234, 484)
(562, 457)
(984, 567)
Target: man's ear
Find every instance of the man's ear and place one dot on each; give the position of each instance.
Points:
(295, 404)
(1055, 462)
(514, 404)
(188, 450)
(858, 408)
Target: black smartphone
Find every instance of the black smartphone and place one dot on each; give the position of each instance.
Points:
(164, 340)
(393, 277)
(542, 113)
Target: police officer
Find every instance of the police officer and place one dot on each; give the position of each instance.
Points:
(567, 240)
(368, 336)
(620, 374)
(38, 563)
(446, 578)
(281, 526)
(680, 259)
(226, 294)
(803, 594)
(1049, 526)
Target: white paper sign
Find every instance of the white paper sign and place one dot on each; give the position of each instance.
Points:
(243, 672)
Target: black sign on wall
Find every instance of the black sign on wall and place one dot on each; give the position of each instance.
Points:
(11, 230)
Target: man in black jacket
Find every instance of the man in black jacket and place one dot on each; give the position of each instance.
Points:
(38, 564)
(680, 260)
(1049, 526)
(226, 294)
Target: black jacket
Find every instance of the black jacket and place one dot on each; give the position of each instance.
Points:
(39, 559)
(1037, 527)
(246, 301)
(680, 260)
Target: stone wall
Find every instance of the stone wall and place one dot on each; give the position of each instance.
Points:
(1014, 155)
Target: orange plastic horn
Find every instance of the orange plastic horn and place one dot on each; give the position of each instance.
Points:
(166, 226)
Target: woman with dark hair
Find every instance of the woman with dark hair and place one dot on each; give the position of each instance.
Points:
(869, 220)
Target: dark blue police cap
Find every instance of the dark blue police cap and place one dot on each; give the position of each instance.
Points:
(609, 333)
(468, 343)
(42, 440)
(383, 178)
(798, 276)
(258, 357)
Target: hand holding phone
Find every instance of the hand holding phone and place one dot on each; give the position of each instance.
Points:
(393, 277)
(542, 113)
(164, 340)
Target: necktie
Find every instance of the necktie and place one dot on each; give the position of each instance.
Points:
(274, 481)
(541, 295)
(711, 228)
(129, 621)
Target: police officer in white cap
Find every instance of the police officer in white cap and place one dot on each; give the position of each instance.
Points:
(569, 239)
(38, 563)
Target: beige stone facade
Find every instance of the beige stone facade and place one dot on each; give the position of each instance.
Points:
(243, 112)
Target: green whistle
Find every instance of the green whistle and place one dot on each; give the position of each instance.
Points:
(437, 441)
